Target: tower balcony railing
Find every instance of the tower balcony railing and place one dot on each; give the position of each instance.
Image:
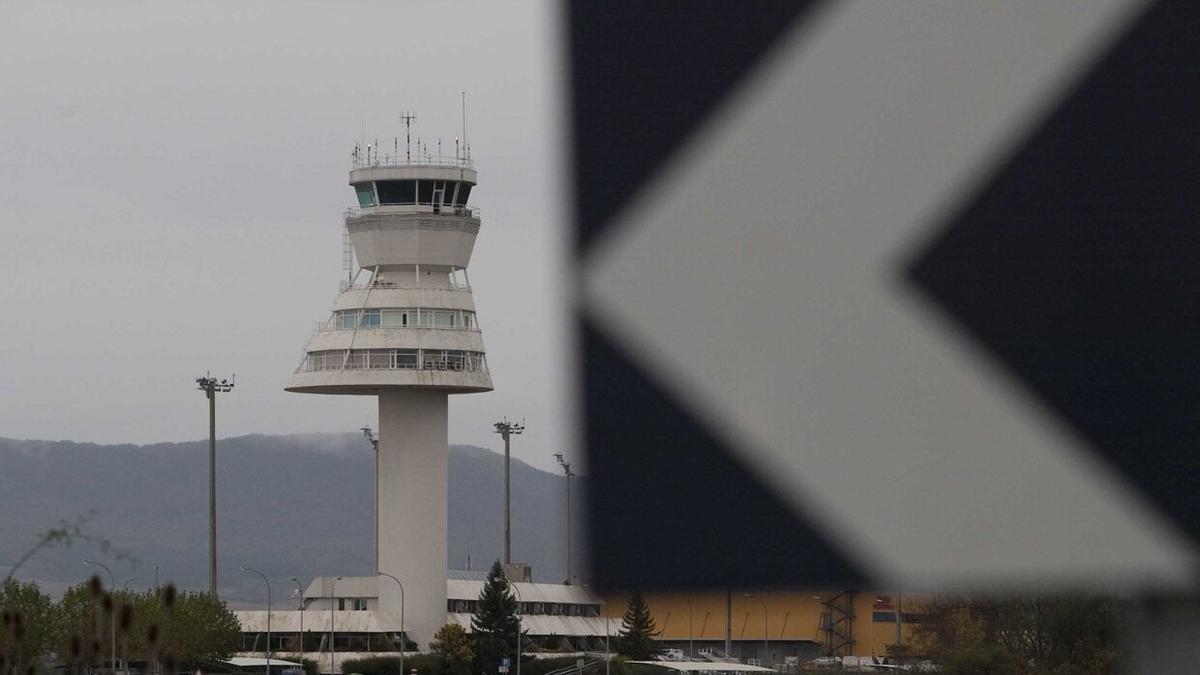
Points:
(443, 285)
(412, 159)
(333, 325)
(460, 211)
(394, 359)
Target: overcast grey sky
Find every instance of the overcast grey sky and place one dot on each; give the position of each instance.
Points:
(172, 177)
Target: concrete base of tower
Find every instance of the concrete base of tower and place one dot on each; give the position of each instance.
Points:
(412, 508)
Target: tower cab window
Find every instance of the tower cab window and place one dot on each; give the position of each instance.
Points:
(424, 192)
(464, 193)
(366, 194)
(397, 191)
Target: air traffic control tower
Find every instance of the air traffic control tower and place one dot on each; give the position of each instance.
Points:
(404, 329)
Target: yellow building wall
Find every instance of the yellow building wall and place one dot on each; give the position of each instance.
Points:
(789, 616)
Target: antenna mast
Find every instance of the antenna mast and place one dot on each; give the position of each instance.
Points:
(408, 117)
(464, 120)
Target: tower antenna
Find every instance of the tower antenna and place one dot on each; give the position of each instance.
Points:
(464, 118)
(408, 116)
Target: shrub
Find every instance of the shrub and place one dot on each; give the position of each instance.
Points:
(424, 664)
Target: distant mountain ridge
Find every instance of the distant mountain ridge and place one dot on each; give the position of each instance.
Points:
(292, 506)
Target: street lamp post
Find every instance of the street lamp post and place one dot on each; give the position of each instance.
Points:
(691, 645)
(766, 638)
(403, 637)
(300, 594)
(332, 648)
(268, 583)
(607, 631)
(113, 620)
(519, 603)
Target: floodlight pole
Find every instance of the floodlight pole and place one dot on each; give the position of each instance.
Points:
(506, 430)
(370, 435)
(210, 386)
(566, 466)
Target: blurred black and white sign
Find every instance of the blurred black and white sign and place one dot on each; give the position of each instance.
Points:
(878, 290)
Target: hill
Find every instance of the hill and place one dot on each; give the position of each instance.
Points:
(292, 506)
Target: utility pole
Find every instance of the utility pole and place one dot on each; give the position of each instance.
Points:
(375, 536)
(566, 466)
(210, 386)
(506, 430)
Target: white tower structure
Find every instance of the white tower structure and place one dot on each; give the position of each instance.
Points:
(404, 329)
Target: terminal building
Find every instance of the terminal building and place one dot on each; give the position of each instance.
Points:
(555, 617)
(776, 629)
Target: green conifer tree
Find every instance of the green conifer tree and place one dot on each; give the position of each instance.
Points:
(494, 625)
(636, 639)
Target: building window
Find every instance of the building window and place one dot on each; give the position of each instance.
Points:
(366, 194)
(397, 191)
(349, 319)
(424, 192)
(464, 193)
(395, 359)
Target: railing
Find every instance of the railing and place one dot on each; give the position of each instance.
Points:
(415, 159)
(435, 209)
(716, 655)
(399, 317)
(386, 285)
(575, 668)
(331, 326)
(389, 359)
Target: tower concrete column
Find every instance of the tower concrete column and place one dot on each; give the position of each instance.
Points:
(412, 508)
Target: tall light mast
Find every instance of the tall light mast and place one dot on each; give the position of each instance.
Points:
(370, 436)
(211, 387)
(507, 430)
(566, 467)
(405, 330)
